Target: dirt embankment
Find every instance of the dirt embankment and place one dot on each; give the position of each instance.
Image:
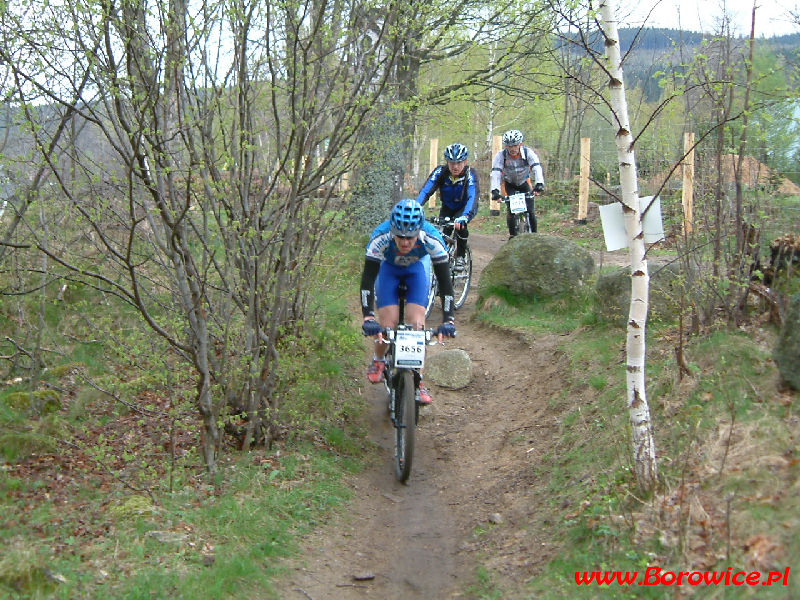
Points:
(473, 468)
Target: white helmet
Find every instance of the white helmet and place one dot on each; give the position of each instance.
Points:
(512, 137)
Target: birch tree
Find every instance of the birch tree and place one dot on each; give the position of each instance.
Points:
(644, 452)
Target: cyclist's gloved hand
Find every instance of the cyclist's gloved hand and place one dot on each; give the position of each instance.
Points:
(447, 329)
(538, 188)
(495, 194)
(371, 327)
(462, 220)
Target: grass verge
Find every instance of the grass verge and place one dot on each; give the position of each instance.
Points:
(102, 499)
(726, 438)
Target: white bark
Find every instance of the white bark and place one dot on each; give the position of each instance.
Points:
(644, 453)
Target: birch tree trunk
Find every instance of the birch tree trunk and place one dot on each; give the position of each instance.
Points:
(644, 454)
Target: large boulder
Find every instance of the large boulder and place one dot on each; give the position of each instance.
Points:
(449, 368)
(537, 265)
(613, 291)
(787, 348)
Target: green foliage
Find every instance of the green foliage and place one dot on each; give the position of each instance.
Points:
(132, 507)
(22, 437)
(24, 571)
(40, 402)
(243, 531)
(598, 522)
(17, 445)
(373, 185)
(553, 315)
(118, 435)
(484, 588)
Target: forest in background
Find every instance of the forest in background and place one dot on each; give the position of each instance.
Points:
(660, 66)
(190, 169)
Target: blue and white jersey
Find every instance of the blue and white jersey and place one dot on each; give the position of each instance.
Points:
(381, 246)
(457, 193)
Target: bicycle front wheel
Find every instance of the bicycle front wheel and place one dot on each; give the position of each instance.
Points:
(523, 225)
(433, 291)
(405, 424)
(462, 280)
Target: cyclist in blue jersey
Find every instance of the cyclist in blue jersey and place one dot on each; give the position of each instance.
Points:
(512, 170)
(397, 251)
(459, 192)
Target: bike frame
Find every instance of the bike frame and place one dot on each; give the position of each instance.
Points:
(402, 386)
(465, 279)
(524, 218)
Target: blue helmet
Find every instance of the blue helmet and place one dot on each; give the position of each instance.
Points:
(512, 137)
(406, 218)
(456, 152)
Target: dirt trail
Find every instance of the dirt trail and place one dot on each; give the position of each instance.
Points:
(473, 468)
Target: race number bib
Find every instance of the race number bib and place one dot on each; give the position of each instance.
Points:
(516, 203)
(409, 349)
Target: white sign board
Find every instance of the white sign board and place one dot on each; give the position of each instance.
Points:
(614, 224)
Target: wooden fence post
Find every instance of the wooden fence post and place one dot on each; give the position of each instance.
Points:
(434, 160)
(494, 205)
(687, 196)
(583, 189)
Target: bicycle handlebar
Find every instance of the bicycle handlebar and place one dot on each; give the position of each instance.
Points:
(528, 196)
(440, 222)
(389, 334)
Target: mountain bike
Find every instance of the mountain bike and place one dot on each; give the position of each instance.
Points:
(519, 208)
(401, 377)
(462, 277)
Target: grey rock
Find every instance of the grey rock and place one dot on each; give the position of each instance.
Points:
(787, 347)
(496, 518)
(449, 368)
(613, 293)
(168, 537)
(537, 265)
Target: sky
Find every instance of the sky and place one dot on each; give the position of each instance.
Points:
(704, 15)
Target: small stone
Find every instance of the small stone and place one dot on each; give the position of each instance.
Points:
(168, 537)
(395, 499)
(365, 576)
(496, 518)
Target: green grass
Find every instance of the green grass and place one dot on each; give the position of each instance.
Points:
(536, 316)
(263, 501)
(590, 488)
(231, 536)
(247, 529)
(484, 588)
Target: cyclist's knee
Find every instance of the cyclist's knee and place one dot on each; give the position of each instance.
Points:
(389, 316)
(415, 316)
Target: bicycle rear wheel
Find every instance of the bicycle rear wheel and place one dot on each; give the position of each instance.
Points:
(462, 280)
(404, 424)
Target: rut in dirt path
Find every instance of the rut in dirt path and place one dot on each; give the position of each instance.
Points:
(472, 468)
